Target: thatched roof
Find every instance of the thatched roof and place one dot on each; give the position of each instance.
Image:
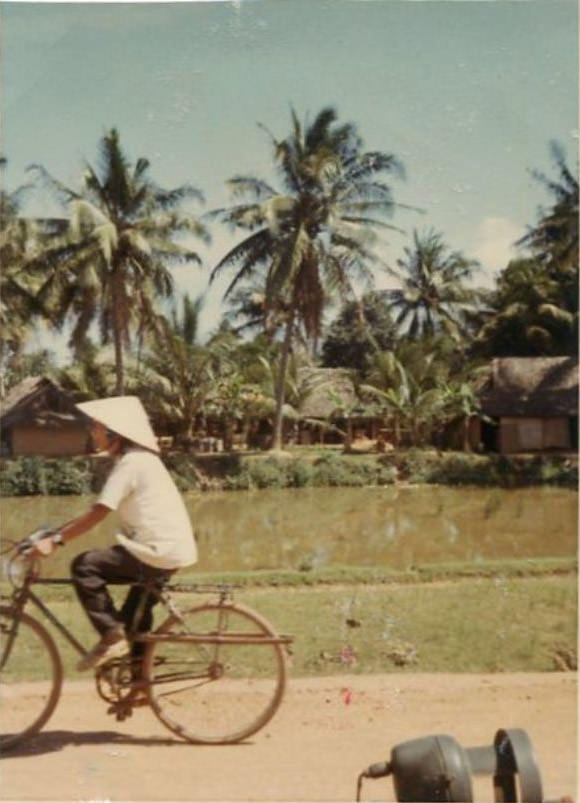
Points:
(327, 392)
(34, 400)
(531, 386)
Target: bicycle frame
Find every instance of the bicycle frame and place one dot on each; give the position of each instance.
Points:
(23, 595)
(130, 681)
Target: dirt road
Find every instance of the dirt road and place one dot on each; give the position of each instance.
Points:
(327, 731)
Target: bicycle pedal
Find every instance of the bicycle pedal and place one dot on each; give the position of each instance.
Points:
(120, 711)
(123, 715)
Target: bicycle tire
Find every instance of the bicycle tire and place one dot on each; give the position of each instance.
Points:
(28, 647)
(238, 686)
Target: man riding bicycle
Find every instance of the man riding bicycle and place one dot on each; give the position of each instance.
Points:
(156, 537)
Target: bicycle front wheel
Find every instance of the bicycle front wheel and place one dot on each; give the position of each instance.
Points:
(26, 652)
(216, 677)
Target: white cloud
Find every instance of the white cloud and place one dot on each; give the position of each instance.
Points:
(494, 245)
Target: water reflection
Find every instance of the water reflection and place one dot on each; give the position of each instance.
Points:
(307, 528)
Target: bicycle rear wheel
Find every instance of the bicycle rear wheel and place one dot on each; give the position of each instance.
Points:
(26, 706)
(213, 692)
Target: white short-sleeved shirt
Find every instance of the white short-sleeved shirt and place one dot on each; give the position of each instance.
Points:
(155, 524)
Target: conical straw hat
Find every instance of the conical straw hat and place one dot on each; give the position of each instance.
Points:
(124, 415)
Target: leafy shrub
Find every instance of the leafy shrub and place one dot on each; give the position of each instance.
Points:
(386, 475)
(268, 473)
(66, 477)
(182, 470)
(464, 468)
(238, 482)
(333, 470)
(28, 476)
(20, 477)
(299, 474)
(413, 465)
(459, 468)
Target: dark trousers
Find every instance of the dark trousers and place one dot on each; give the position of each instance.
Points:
(92, 571)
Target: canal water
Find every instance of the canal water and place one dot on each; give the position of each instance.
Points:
(394, 526)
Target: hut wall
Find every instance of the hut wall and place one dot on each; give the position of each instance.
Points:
(556, 433)
(47, 442)
(520, 434)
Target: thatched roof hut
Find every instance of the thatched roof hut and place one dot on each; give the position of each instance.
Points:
(533, 402)
(327, 393)
(531, 386)
(38, 418)
(330, 398)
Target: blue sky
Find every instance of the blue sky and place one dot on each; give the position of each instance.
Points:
(467, 93)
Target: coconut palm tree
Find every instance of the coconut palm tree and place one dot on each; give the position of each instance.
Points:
(176, 376)
(361, 328)
(18, 303)
(112, 265)
(250, 311)
(407, 385)
(91, 375)
(432, 296)
(531, 312)
(554, 238)
(313, 236)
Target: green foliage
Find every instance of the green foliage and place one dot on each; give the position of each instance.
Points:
(310, 238)
(19, 279)
(434, 296)
(36, 363)
(554, 238)
(181, 468)
(177, 375)
(112, 264)
(532, 312)
(334, 470)
(464, 468)
(359, 329)
(534, 309)
(35, 475)
(300, 473)
(29, 476)
(269, 473)
(328, 470)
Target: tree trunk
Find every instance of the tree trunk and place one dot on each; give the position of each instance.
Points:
(118, 339)
(396, 431)
(119, 372)
(348, 438)
(465, 433)
(280, 383)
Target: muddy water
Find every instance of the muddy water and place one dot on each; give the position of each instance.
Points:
(394, 526)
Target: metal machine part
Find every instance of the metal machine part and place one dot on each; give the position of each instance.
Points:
(437, 768)
(432, 768)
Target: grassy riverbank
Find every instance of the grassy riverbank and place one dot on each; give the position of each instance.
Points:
(501, 617)
(300, 467)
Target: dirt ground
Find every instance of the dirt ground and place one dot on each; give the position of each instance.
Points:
(327, 731)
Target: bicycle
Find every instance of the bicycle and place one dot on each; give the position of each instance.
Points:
(214, 673)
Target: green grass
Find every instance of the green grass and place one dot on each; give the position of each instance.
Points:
(500, 623)
(373, 575)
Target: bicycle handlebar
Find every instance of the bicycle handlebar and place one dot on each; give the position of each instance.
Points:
(22, 551)
(28, 543)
